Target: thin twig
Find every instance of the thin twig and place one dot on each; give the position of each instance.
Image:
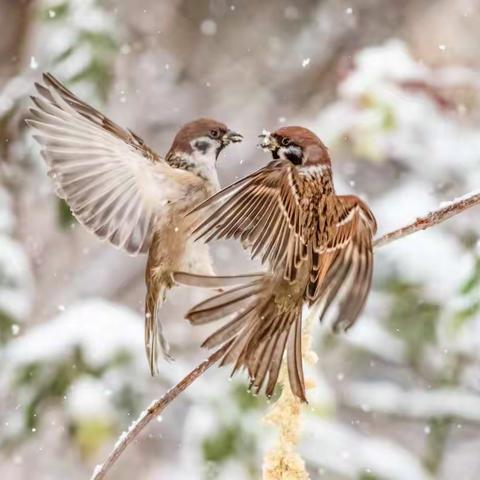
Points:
(155, 409)
(433, 218)
(421, 223)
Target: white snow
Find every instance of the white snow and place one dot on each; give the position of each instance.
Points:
(86, 15)
(7, 220)
(100, 328)
(331, 444)
(305, 62)
(432, 146)
(16, 282)
(86, 399)
(96, 471)
(132, 426)
(14, 90)
(370, 335)
(33, 63)
(386, 397)
(391, 61)
(75, 63)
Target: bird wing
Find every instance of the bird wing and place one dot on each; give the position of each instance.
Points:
(114, 184)
(262, 210)
(293, 225)
(345, 264)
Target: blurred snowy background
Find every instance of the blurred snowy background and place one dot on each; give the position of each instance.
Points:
(393, 88)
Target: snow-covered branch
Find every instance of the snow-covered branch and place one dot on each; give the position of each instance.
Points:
(433, 218)
(446, 211)
(153, 411)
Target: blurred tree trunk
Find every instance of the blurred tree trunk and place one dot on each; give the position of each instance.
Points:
(15, 18)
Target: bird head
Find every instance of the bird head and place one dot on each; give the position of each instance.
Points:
(298, 145)
(204, 137)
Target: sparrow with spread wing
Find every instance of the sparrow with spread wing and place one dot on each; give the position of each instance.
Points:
(124, 192)
(317, 245)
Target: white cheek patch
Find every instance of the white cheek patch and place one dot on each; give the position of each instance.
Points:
(294, 150)
(204, 157)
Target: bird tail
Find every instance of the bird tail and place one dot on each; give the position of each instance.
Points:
(155, 340)
(258, 329)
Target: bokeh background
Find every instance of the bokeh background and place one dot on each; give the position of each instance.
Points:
(393, 88)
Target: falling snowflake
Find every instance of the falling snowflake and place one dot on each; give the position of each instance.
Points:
(33, 63)
(208, 27)
(305, 62)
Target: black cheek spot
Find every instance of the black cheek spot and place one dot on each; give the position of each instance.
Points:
(294, 158)
(201, 146)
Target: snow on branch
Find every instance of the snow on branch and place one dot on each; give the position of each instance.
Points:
(446, 211)
(153, 411)
(433, 218)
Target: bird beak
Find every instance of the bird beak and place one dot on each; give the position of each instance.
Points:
(231, 137)
(267, 142)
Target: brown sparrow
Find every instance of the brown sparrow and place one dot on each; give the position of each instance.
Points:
(126, 193)
(317, 244)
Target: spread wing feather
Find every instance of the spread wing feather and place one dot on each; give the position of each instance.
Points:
(350, 263)
(113, 183)
(263, 211)
(319, 242)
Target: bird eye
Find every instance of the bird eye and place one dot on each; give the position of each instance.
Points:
(214, 133)
(285, 142)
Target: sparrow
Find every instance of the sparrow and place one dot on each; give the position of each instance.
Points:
(317, 247)
(124, 192)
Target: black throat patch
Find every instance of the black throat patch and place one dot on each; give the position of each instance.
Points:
(294, 157)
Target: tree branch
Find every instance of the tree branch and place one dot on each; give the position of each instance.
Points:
(155, 409)
(433, 218)
(421, 223)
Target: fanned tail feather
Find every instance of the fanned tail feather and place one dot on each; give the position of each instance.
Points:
(257, 330)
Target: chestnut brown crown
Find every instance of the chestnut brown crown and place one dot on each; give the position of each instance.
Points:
(298, 145)
(211, 131)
